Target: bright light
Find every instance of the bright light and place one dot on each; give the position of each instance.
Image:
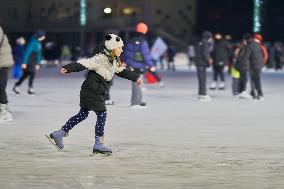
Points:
(128, 10)
(257, 16)
(107, 10)
(83, 12)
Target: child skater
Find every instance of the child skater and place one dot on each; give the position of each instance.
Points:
(102, 68)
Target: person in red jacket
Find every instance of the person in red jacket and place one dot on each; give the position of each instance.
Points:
(259, 39)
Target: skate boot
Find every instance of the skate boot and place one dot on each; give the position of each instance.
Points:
(253, 95)
(161, 84)
(56, 138)
(221, 86)
(204, 98)
(31, 91)
(99, 147)
(213, 86)
(244, 95)
(16, 90)
(260, 98)
(5, 115)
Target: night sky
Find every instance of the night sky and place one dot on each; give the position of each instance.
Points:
(235, 17)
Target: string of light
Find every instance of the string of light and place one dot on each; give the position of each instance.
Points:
(257, 16)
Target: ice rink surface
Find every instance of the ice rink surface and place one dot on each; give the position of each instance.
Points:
(177, 142)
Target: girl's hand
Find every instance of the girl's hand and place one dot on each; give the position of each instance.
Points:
(63, 71)
(139, 81)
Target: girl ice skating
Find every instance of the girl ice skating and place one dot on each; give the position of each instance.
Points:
(102, 68)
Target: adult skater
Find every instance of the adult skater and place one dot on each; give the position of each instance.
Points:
(256, 63)
(31, 62)
(242, 65)
(202, 61)
(221, 55)
(138, 58)
(6, 61)
(259, 40)
(101, 68)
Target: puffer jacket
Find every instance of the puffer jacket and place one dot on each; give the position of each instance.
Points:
(6, 57)
(202, 50)
(95, 87)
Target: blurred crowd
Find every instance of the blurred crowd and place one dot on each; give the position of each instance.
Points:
(243, 60)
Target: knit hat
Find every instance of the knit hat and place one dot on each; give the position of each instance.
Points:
(113, 41)
(258, 37)
(39, 34)
(142, 28)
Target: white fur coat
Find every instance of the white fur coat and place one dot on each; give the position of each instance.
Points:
(100, 64)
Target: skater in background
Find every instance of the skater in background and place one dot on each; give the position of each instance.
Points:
(18, 54)
(31, 62)
(256, 63)
(202, 61)
(6, 61)
(138, 58)
(259, 40)
(235, 74)
(191, 55)
(171, 54)
(66, 55)
(220, 54)
(102, 68)
(242, 65)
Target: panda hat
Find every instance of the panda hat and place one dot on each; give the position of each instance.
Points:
(113, 41)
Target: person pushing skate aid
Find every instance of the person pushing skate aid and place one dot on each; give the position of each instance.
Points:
(102, 68)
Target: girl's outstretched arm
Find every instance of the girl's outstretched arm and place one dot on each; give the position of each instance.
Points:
(127, 74)
(73, 67)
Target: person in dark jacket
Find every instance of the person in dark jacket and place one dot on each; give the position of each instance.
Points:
(259, 40)
(18, 54)
(102, 68)
(221, 55)
(138, 58)
(31, 62)
(202, 61)
(242, 65)
(256, 62)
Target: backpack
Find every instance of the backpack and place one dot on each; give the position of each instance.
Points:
(138, 57)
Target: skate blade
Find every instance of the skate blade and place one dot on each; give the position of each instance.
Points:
(99, 153)
(52, 142)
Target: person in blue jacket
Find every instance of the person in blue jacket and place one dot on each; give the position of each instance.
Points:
(138, 58)
(31, 61)
(18, 54)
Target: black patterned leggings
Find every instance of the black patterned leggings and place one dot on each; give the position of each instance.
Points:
(81, 116)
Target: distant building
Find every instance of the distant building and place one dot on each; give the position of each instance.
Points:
(174, 19)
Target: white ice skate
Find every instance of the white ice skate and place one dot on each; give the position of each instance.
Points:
(213, 86)
(204, 98)
(221, 86)
(5, 115)
(245, 95)
(31, 91)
